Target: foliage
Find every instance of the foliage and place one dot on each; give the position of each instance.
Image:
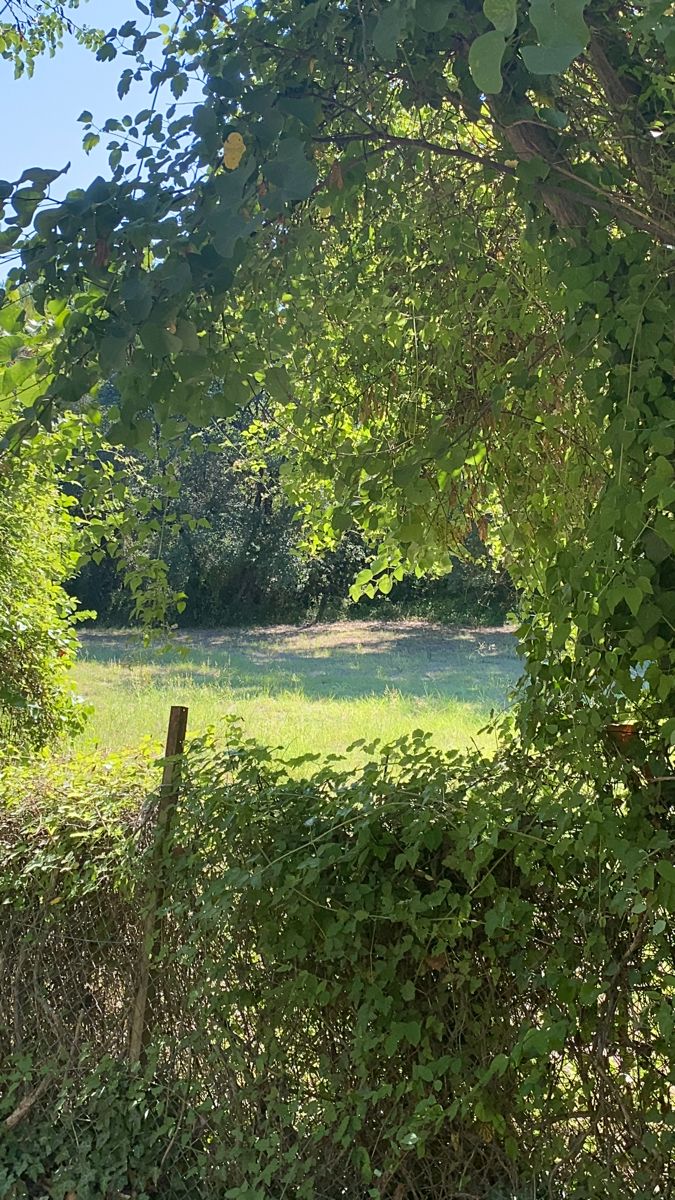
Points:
(38, 554)
(422, 980)
(439, 236)
(29, 28)
(232, 543)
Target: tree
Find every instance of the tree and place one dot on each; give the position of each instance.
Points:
(326, 135)
(29, 28)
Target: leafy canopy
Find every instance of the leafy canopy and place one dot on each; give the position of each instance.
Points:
(438, 236)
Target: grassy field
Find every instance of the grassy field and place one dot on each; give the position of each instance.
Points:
(315, 689)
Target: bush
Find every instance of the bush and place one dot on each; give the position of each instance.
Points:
(37, 639)
(440, 977)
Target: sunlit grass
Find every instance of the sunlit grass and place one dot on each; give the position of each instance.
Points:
(314, 690)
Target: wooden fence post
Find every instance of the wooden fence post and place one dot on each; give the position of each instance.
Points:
(142, 1016)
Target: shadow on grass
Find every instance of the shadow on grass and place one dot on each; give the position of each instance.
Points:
(346, 661)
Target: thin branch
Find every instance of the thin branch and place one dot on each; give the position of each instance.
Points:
(618, 208)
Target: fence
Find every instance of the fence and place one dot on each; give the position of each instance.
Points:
(411, 983)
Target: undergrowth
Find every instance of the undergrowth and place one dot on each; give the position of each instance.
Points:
(439, 976)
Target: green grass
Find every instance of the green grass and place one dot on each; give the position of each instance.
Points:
(314, 689)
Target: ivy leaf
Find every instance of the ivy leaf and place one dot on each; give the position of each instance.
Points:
(388, 31)
(562, 33)
(485, 61)
(432, 15)
(502, 14)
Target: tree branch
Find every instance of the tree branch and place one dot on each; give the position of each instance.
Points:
(618, 208)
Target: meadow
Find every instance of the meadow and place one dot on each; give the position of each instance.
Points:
(314, 689)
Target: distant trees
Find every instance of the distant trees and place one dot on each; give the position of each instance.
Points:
(233, 543)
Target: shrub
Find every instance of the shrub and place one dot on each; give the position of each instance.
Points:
(37, 640)
(439, 977)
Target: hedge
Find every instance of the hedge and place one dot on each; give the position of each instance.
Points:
(437, 977)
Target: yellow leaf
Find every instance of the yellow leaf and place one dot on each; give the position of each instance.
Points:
(233, 151)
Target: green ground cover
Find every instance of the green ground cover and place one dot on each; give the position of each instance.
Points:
(315, 689)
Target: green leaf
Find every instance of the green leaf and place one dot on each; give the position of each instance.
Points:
(634, 597)
(278, 383)
(432, 15)
(41, 177)
(112, 353)
(412, 532)
(412, 1031)
(502, 14)
(137, 295)
(175, 275)
(485, 61)
(562, 33)
(7, 239)
(291, 172)
(45, 221)
(228, 229)
(553, 117)
(303, 109)
(159, 341)
(388, 30)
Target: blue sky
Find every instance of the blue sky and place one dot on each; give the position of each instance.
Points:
(39, 124)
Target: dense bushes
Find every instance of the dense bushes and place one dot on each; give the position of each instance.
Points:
(440, 977)
(37, 642)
